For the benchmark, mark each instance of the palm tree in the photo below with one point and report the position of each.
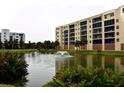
(83, 41)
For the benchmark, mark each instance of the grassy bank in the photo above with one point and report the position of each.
(6, 85)
(52, 51)
(110, 53)
(87, 52)
(17, 50)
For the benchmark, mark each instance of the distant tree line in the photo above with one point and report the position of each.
(42, 45)
(30, 45)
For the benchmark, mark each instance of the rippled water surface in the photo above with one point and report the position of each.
(42, 67)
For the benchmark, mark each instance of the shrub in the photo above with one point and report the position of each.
(12, 69)
(82, 77)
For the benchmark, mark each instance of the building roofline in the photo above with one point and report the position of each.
(90, 16)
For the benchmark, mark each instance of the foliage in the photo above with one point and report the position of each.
(77, 43)
(56, 44)
(13, 69)
(42, 45)
(84, 41)
(82, 77)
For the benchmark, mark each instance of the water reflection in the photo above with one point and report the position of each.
(92, 61)
(41, 69)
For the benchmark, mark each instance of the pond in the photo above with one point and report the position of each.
(42, 67)
(36, 69)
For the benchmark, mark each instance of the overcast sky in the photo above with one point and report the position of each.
(39, 18)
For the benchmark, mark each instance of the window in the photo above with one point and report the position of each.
(109, 22)
(117, 27)
(117, 20)
(105, 16)
(90, 41)
(89, 21)
(117, 39)
(90, 26)
(90, 36)
(90, 31)
(117, 33)
(123, 10)
(111, 14)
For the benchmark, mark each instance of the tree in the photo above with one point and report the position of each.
(56, 44)
(39, 45)
(21, 44)
(15, 43)
(6, 44)
(77, 43)
(47, 44)
(1, 44)
(84, 41)
(11, 44)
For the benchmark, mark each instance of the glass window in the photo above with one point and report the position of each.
(111, 14)
(117, 20)
(105, 16)
(117, 39)
(123, 10)
(117, 27)
(90, 41)
(117, 33)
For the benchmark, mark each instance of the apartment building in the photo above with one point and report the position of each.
(104, 31)
(7, 35)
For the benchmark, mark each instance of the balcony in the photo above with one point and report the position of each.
(97, 31)
(97, 19)
(109, 29)
(97, 25)
(109, 22)
(65, 43)
(72, 31)
(83, 23)
(97, 41)
(109, 41)
(71, 26)
(84, 28)
(83, 33)
(99, 36)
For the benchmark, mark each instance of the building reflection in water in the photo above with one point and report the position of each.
(92, 61)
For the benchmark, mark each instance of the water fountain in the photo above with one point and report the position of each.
(63, 54)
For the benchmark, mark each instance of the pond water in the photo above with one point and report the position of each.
(42, 67)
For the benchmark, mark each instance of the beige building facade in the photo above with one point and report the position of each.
(104, 31)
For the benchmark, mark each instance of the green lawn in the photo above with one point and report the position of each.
(17, 50)
(6, 85)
